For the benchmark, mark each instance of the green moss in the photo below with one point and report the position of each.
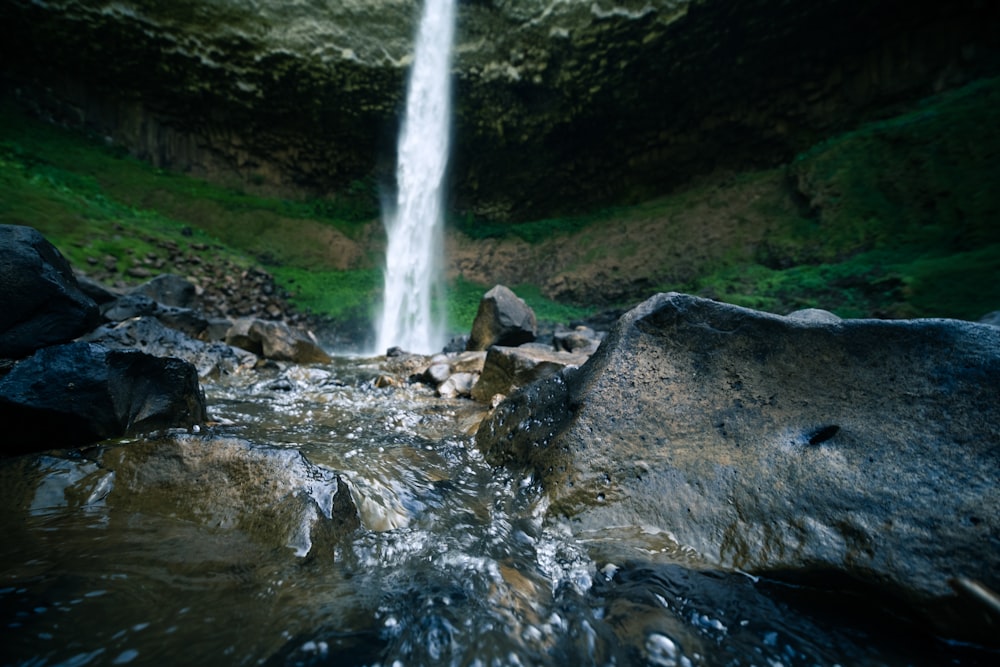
(337, 294)
(897, 218)
(251, 223)
(98, 205)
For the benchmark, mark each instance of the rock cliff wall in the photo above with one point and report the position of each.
(559, 103)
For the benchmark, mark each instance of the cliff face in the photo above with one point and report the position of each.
(559, 103)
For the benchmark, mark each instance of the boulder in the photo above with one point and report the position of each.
(170, 290)
(96, 290)
(866, 448)
(75, 394)
(468, 362)
(188, 321)
(42, 303)
(508, 368)
(275, 340)
(150, 335)
(502, 319)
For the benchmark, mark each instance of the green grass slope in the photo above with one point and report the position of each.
(898, 218)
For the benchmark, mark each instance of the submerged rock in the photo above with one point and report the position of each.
(212, 488)
(775, 444)
(42, 302)
(79, 393)
(273, 495)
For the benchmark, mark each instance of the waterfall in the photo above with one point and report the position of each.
(413, 282)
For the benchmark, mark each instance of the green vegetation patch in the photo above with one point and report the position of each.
(271, 229)
(336, 294)
(464, 297)
(76, 215)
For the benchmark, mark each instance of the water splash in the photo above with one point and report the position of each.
(413, 273)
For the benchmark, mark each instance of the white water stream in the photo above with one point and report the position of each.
(413, 283)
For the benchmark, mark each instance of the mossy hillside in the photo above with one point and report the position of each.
(255, 224)
(899, 218)
(903, 215)
(94, 202)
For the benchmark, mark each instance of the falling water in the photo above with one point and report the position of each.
(412, 273)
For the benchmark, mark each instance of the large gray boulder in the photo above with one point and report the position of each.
(79, 393)
(189, 321)
(774, 444)
(42, 303)
(503, 318)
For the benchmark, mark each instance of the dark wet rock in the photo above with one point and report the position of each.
(96, 290)
(250, 497)
(437, 372)
(772, 444)
(276, 340)
(273, 495)
(150, 335)
(509, 368)
(456, 344)
(128, 306)
(186, 320)
(42, 302)
(217, 329)
(170, 290)
(78, 393)
(503, 318)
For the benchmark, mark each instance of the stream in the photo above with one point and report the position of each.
(454, 563)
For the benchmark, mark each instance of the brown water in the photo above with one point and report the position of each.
(455, 563)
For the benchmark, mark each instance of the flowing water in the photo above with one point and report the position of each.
(454, 562)
(415, 247)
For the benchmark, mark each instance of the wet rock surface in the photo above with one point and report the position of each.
(152, 336)
(509, 368)
(275, 340)
(772, 444)
(273, 496)
(78, 393)
(503, 318)
(42, 303)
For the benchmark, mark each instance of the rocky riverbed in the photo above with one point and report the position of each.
(705, 485)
